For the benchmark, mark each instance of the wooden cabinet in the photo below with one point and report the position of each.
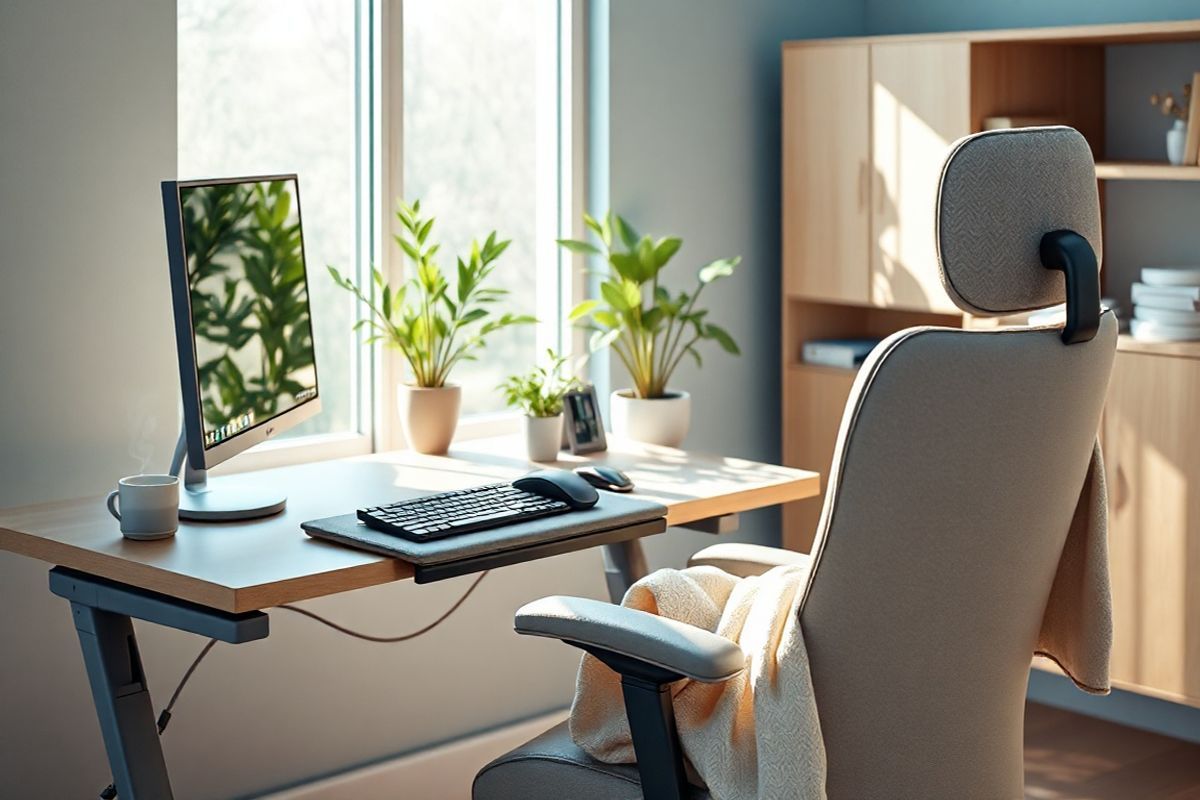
(920, 105)
(817, 397)
(825, 172)
(1151, 438)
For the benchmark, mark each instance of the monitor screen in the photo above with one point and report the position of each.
(248, 290)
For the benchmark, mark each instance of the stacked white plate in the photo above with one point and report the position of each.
(1166, 305)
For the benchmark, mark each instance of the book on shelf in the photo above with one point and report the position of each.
(1178, 298)
(1171, 276)
(1147, 331)
(844, 353)
(1167, 316)
(1017, 121)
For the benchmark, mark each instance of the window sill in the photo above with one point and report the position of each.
(300, 450)
(325, 447)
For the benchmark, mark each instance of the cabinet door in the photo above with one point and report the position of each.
(920, 105)
(1151, 439)
(825, 169)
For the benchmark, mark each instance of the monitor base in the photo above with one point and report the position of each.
(221, 501)
(202, 499)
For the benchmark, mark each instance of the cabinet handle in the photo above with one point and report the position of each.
(880, 193)
(1120, 489)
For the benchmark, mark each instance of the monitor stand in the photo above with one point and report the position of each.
(219, 499)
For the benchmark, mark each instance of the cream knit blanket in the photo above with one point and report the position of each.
(753, 736)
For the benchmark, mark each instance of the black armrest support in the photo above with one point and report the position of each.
(649, 653)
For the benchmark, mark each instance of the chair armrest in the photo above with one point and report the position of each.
(668, 644)
(744, 560)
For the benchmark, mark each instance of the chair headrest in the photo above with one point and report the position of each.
(1000, 192)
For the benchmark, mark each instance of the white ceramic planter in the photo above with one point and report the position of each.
(663, 420)
(428, 417)
(1176, 142)
(543, 437)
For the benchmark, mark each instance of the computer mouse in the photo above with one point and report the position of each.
(607, 478)
(558, 484)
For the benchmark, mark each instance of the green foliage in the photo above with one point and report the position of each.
(242, 237)
(539, 392)
(432, 324)
(649, 328)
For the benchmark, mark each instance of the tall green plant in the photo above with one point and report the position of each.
(434, 325)
(649, 328)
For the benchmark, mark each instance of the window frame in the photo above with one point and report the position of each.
(379, 155)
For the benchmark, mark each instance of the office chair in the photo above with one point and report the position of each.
(959, 463)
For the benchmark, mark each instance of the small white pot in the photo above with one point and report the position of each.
(1176, 142)
(428, 416)
(543, 436)
(662, 420)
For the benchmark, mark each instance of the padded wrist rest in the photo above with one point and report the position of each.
(614, 518)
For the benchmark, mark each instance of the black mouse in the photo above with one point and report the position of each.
(607, 478)
(558, 484)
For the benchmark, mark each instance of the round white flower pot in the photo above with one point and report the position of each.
(1176, 142)
(662, 420)
(428, 416)
(543, 436)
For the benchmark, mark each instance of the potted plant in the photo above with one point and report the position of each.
(647, 326)
(432, 324)
(539, 394)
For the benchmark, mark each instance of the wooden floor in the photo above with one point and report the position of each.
(1073, 757)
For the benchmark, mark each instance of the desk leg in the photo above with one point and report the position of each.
(624, 564)
(123, 706)
(102, 610)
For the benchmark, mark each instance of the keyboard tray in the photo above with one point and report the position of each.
(614, 518)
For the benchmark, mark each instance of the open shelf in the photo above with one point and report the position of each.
(1178, 349)
(1145, 171)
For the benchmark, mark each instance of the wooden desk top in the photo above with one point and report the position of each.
(245, 566)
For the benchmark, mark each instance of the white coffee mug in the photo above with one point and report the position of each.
(146, 505)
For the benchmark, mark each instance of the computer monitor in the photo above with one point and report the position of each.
(243, 328)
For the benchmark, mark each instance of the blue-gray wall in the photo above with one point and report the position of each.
(926, 16)
(685, 138)
(1146, 223)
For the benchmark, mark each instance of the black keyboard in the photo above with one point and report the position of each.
(462, 511)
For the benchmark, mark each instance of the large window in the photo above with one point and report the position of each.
(280, 86)
(269, 86)
(480, 120)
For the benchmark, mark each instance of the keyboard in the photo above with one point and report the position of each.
(437, 516)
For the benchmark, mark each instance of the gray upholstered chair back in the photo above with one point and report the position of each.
(959, 462)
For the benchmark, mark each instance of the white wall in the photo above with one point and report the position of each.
(87, 129)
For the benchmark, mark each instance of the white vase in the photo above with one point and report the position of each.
(428, 416)
(661, 420)
(543, 437)
(1176, 141)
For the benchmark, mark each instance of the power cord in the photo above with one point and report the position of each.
(164, 718)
